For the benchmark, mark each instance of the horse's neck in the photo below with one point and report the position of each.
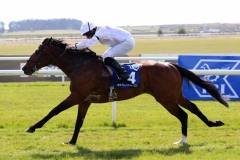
(69, 62)
(63, 63)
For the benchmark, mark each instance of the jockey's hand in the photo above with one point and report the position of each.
(70, 47)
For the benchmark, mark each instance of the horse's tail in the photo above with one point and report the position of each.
(208, 85)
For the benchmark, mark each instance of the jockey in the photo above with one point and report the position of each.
(120, 42)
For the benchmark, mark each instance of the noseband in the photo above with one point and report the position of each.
(32, 69)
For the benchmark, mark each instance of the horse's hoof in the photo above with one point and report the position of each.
(69, 143)
(179, 142)
(30, 130)
(219, 123)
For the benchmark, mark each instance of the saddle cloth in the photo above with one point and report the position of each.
(134, 76)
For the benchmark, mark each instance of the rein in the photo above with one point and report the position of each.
(54, 60)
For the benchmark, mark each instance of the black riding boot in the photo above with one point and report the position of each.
(122, 73)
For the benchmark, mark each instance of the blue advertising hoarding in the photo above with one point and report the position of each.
(228, 86)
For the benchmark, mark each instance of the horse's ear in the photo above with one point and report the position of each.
(49, 41)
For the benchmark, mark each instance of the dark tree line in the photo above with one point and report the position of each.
(38, 24)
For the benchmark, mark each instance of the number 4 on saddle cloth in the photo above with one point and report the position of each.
(134, 76)
(132, 82)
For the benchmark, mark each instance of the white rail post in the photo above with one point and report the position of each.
(63, 80)
(114, 112)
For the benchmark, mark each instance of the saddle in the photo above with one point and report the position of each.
(132, 82)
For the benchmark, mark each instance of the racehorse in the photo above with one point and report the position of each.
(90, 81)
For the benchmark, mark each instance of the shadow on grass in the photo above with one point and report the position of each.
(114, 154)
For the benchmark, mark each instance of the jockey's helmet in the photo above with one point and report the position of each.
(87, 27)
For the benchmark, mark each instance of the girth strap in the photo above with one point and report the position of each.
(112, 94)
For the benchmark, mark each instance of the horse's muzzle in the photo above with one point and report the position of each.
(29, 70)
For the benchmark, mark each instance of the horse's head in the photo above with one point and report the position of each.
(52, 51)
(42, 57)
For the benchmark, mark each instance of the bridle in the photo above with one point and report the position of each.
(37, 64)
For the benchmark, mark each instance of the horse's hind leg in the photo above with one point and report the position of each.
(194, 109)
(182, 116)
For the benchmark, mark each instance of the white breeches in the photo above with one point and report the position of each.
(121, 49)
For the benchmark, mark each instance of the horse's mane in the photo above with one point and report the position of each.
(61, 44)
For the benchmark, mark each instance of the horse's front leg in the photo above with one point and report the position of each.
(67, 103)
(82, 111)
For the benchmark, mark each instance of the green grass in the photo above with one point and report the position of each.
(152, 46)
(178, 46)
(144, 129)
(18, 49)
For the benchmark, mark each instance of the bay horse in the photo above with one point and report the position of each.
(89, 76)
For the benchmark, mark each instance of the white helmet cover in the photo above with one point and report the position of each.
(86, 27)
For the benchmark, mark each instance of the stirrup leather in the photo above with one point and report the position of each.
(112, 94)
